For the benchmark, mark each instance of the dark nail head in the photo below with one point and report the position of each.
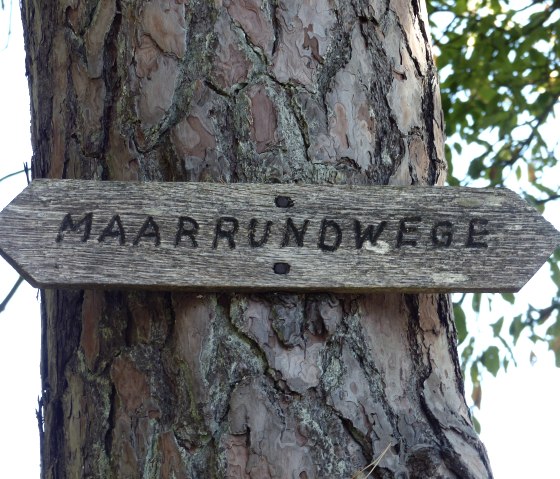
(283, 202)
(281, 268)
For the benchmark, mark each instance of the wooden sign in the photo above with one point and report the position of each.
(249, 237)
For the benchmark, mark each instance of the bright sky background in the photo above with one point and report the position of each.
(519, 415)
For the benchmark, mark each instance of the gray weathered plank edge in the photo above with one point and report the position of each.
(519, 239)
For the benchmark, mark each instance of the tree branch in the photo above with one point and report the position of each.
(10, 294)
(12, 174)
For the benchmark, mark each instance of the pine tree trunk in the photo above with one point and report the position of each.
(143, 384)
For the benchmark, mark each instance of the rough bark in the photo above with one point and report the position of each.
(230, 385)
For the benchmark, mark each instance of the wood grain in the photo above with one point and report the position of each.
(282, 237)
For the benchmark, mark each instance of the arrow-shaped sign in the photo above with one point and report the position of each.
(245, 237)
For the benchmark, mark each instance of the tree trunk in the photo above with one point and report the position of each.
(143, 384)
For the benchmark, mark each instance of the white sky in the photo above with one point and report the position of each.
(519, 415)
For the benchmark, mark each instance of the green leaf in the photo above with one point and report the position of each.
(466, 355)
(476, 302)
(554, 264)
(475, 168)
(476, 424)
(497, 326)
(554, 330)
(491, 360)
(509, 297)
(554, 345)
(515, 328)
(460, 323)
(475, 375)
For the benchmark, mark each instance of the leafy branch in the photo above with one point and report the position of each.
(500, 88)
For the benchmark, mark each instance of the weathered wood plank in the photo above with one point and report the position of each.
(244, 237)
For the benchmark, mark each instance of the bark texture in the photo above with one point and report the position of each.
(230, 385)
